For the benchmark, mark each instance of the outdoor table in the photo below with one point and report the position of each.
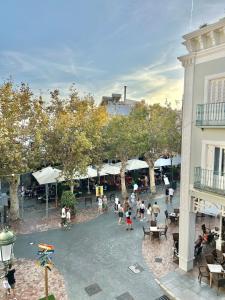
(156, 228)
(173, 217)
(216, 269)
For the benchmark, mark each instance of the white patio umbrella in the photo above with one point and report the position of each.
(109, 169)
(47, 175)
(135, 164)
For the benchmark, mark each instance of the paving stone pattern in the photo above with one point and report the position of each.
(30, 282)
(98, 251)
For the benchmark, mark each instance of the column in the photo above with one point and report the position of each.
(187, 217)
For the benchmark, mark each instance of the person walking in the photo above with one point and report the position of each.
(68, 216)
(167, 195)
(100, 204)
(105, 203)
(11, 280)
(129, 219)
(171, 193)
(142, 210)
(155, 210)
(126, 205)
(116, 204)
(138, 208)
(132, 199)
(63, 215)
(149, 212)
(120, 214)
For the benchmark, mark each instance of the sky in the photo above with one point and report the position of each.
(101, 45)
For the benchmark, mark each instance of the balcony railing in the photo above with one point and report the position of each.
(210, 181)
(210, 114)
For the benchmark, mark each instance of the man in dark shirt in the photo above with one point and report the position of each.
(11, 279)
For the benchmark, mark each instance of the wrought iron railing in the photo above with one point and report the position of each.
(210, 181)
(210, 114)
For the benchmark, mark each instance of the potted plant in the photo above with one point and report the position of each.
(69, 200)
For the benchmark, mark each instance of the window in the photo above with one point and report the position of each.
(216, 90)
(219, 161)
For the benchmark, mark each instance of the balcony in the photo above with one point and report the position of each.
(209, 181)
(210, 114)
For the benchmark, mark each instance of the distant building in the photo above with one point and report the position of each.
(115, 105)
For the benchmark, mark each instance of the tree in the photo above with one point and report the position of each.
(74, 133)
(161, 133)
(22, 121)
(122, 137)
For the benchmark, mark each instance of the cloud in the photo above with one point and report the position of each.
(154, 83)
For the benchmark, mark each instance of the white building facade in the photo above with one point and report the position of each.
(203, 133)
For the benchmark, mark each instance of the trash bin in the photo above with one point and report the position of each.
(174, 185)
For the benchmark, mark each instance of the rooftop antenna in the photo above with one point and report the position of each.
(125, 93)
(191, 16)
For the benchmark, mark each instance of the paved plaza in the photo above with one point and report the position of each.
(94, 257)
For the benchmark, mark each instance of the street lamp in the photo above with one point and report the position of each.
(7, 240)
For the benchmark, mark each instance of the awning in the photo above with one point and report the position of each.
(47, 175)
(135, 164)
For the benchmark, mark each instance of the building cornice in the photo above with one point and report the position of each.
(205, 38)
(187, 60)
(206, 29)
(203, 56)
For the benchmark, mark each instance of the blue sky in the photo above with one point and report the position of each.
(100, 45)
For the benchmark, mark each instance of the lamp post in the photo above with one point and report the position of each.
(7, 240)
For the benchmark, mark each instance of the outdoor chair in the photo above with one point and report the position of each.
(209, 259)
(156, 235)
(164, 232)
(176, 211)
(203, 271)
(146, 231)
(198, 254)
(175, 237)
(220, 282)
(153, 223)
(218, 256)
(175, 251)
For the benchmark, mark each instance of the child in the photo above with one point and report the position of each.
(128, 219)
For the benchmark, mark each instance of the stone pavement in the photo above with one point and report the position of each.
(94, 257)
(183, 286)
(30, 282)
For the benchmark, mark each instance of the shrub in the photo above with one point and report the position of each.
(69, 200)
(50, 297)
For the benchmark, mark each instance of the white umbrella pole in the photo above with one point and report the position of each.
(46, 194)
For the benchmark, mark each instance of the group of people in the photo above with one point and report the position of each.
(65, 216)
(102, 204)
(169, 194)
(128, 208)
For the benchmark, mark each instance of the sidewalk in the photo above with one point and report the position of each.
(184, 286)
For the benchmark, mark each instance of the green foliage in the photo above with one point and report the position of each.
(50, 297)
(68, 199)
(74, 134)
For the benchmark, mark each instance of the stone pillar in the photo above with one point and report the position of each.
(187, 217)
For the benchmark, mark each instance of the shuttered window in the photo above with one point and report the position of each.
(216, 90)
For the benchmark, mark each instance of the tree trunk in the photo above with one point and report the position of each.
(71, 186)
(123, 181)
(14, 201)
(151, 176)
